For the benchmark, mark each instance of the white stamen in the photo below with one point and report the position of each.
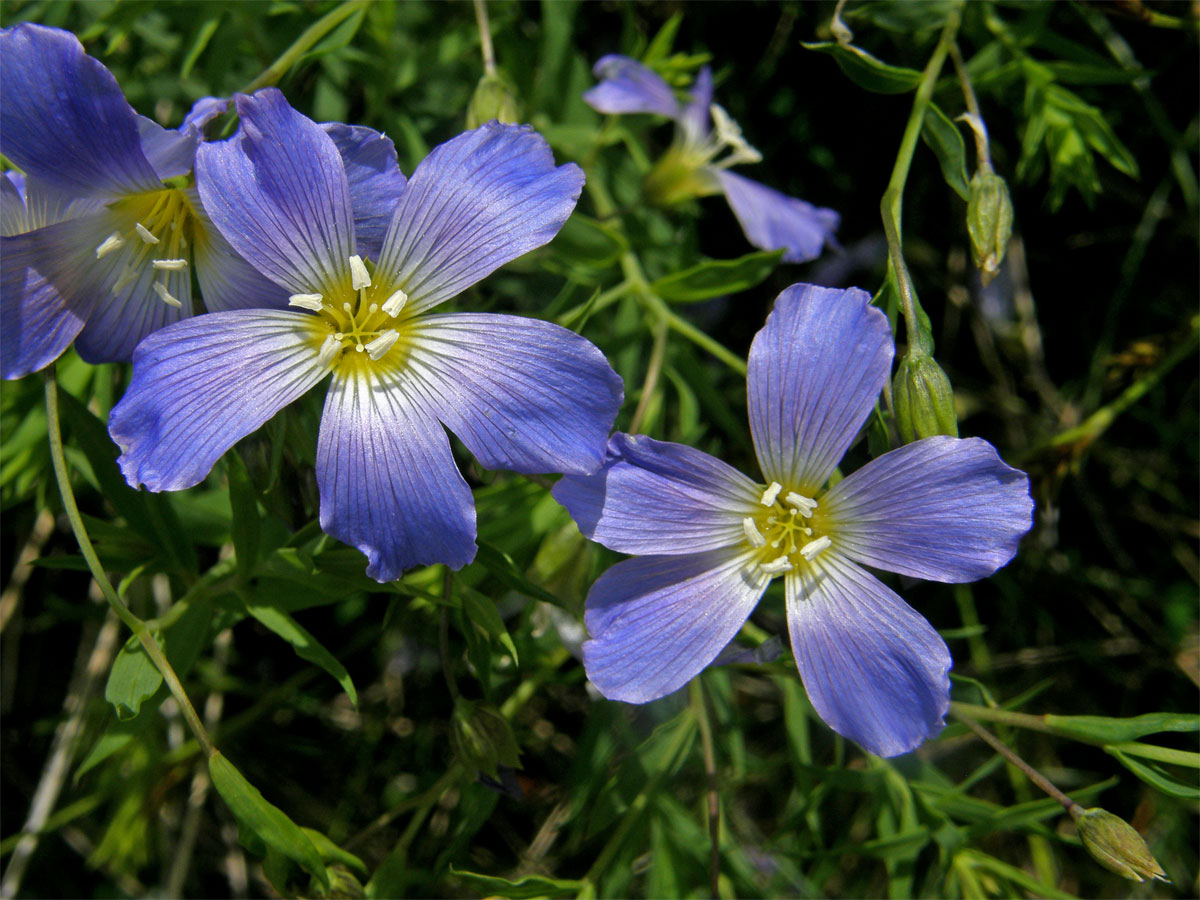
(359, 277)
(382, 344)
(164, 295)
(812, 548)
(346, 307)
(113, 242)
(144, 233)
(338, 335)
(393, 304)
(359, 347)
(771, 493)
(776, 566)
(729, 134)
(329, 349)
(171, 265)
(753, 535)
(804, 505)
(373, 308)
(127, 278)
(306, 301)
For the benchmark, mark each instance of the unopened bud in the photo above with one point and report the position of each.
(989, 221)
(482, 737)
(494, 98)
(1117, 846)
(923, 399)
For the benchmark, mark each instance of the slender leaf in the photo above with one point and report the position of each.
(132, 681)
(715, 277)
(1158, 777)
(944, 138)
(1115, 731)
(306, 646)
(528, 887)
(868, 72)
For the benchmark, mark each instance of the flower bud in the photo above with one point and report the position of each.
(482, 737)
(1117, 846)
(989, 221)
(923, 399)
(494, 98)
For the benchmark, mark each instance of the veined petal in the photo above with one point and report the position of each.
(627, 86)
(943, 508)
(522, 394)
(170, 152)
(774, 221)
(657, 621)
(278, 192)
(694, 117)
(39, 322)
(204, 383)
(815, 370)
(874, 669)
(226, 280)
(376, 181)
(389, 485)
(476, 202)
(656, 497)
(204, 111)
(63, 117)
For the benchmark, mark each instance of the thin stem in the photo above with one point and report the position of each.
(892, 203)
(974, 117)
(317, 30)
(485, 38)
(444, 633)
(136, 625)
(1030, 772)
(700, 708)
(650, 383)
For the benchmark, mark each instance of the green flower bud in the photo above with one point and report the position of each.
(1117, 846)
(923, 399)
(989, 221)
(482, 737)
(494, 98)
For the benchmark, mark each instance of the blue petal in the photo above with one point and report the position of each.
(694, 117)
(376, 181)
(476, 202)
(874, 669)
(389, 485)
(171, 153)
(657, 621)
(522, 394)
(63, 117)
(278, 193)
(629, 87)
(39, 323)
(226, 280)
(774, 221)
(654, 497)
(203, 384)
(204, 111)
(815, 370)
(943, 508)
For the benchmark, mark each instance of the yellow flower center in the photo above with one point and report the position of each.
(157, 229)
(787, 532)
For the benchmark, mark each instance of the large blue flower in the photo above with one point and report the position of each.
(101, 233)
(521, 394)
(709, 539)
(691, 168)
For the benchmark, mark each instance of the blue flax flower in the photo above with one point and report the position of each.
(691, 168)
(709, 539)
(521, 394)
(102, 231)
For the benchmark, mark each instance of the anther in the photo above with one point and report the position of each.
(359, 347)
(753, 535)
(359, 277)
(776, 566)
(329, 349)
(306, 301)
(338, 335)
(164, 295)
(170, 265)
(346, 307)
(144, 233)
(771, 493)
(805, 505)
(382, 344)
(393, 304)
(812, 548)
(113, 242)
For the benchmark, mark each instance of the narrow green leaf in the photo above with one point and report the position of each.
(306, 646)
(246, 524)
(332, 853)
(868, 72)
(660, 46)
(501, 566)
(1158, 777)
(207, 30)
(116, 735)
(132, 681)
(266, 821)
(1117, 731)
(943, 137)
(522, 889)
(715, 277)
(482, 611)
(589, 242)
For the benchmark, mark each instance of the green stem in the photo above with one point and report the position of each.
(485, 38)
(892, 203)
(136, 625)
(303, 44)
(1162, 754)
(700, 709)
